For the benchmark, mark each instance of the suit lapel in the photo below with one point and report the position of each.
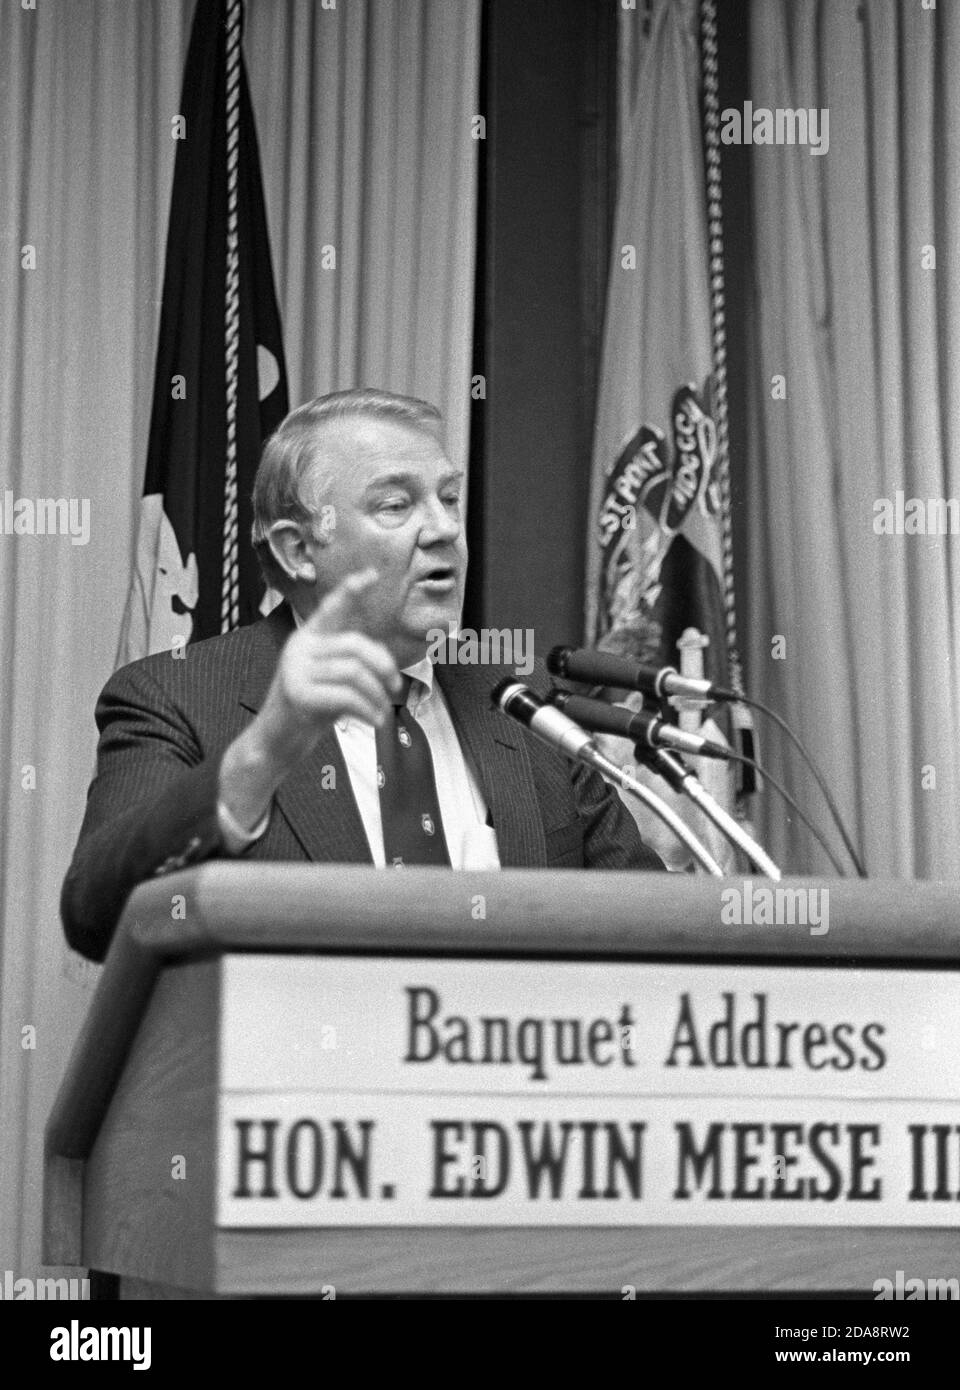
(501, 763)
(325, 821)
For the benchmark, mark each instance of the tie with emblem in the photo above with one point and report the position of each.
(409, 810)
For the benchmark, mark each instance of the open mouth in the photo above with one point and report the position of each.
(440, 578)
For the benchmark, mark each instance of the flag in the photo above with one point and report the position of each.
(220, 384)
(658, 587)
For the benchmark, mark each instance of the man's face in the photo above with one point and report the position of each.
(396, 502)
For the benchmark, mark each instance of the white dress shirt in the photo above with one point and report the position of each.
(471, 842)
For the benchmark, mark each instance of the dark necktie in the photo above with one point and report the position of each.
(409, 810)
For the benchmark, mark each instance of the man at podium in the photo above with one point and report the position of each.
(324, 731)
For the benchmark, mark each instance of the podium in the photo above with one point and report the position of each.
(313, 1081)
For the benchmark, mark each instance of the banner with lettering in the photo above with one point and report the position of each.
(658, 584)
(426, 1092)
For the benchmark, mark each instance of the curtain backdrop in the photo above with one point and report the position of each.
(363, 115)
(866, 336)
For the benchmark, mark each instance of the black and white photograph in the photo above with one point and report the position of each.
(518, 438)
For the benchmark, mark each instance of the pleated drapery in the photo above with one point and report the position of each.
(364, 114)
(854, 370)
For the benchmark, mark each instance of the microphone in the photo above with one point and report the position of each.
(674, 771)
(620, 672)
(638, 727)
(559, 730)
(554, 727)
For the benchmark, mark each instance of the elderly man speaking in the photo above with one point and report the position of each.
(324, 731)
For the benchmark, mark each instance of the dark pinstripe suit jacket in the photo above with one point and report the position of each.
(164, 726)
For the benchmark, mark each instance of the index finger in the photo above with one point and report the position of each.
(342, 609)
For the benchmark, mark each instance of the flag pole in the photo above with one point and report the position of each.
(230, 596)
(741, 718)
(718, 320)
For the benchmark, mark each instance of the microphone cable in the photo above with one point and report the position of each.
(778, 787)
(596, 692)
(818, 777)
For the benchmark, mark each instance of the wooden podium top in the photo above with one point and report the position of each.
(292, 907)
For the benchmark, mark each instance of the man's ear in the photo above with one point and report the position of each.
(288, 542)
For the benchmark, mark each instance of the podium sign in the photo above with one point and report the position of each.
(384, 1092)
(328, 1077)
